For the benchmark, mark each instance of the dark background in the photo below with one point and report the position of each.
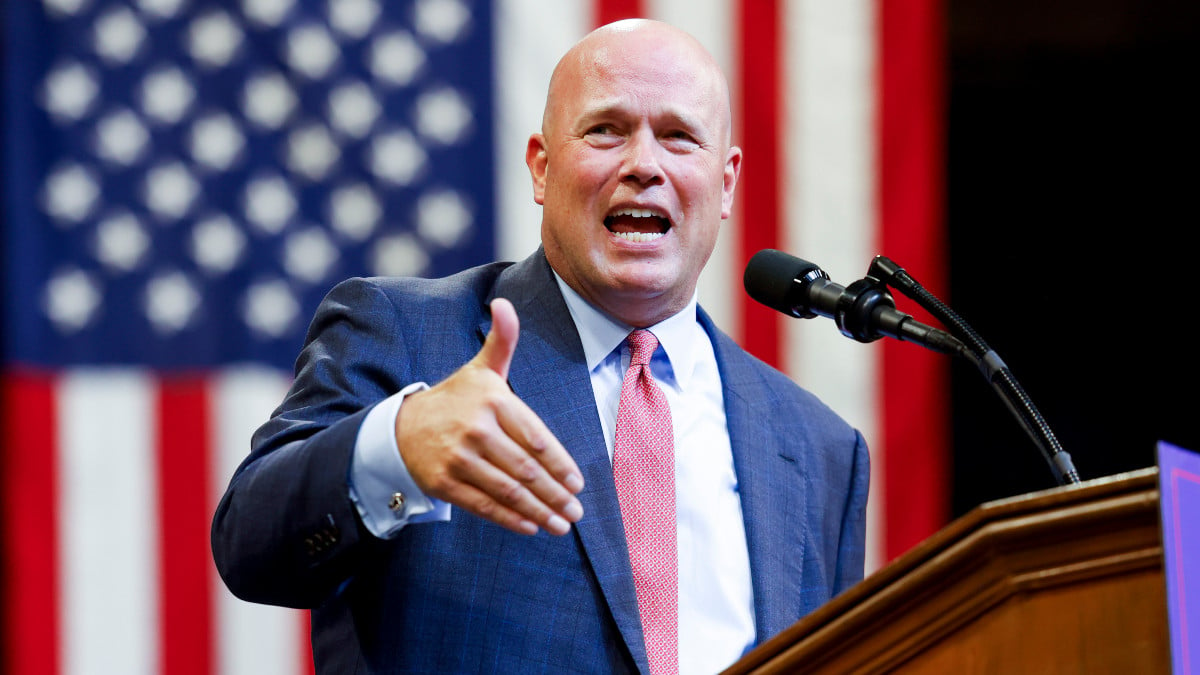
(1072, 190)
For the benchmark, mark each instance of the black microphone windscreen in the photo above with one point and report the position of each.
(770, 278)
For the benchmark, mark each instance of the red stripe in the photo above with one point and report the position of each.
(307, 667)
(759, 72)
(607, 11)
(185, 607)
(911, 122)
(30, 484)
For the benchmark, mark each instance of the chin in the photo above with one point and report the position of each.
(644, 287)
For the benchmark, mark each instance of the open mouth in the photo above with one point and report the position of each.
(637, 225)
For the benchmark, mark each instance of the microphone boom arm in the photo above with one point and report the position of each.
(865, 311)
(989, 363)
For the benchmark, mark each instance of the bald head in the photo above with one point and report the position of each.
(654, 45)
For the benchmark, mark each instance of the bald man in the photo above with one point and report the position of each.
(557, 465)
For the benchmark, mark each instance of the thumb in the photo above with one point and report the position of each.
(501, 342)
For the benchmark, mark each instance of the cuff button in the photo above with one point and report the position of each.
(396, 503)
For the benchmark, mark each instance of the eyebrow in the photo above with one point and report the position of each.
(616, 108)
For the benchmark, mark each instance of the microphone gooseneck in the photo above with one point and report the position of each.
(993, 368)
(865, 311)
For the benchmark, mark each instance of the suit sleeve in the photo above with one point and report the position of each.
(852, 546)
(286, 531)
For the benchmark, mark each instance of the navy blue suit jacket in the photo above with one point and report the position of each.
(470, 596)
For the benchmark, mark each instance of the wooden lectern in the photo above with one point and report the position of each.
(1069, 580)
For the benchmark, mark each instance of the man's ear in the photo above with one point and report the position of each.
(535, 159)
(733, 169)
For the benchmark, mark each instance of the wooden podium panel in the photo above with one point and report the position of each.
(1068, 580)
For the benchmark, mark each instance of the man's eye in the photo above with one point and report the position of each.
(603, 136)
(681, 139)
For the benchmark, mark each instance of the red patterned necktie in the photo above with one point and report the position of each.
(644, 471)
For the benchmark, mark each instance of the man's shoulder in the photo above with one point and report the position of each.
(741, 364)
(475, 281)
(762, 382)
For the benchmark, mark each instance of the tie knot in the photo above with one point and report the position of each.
(642, 344)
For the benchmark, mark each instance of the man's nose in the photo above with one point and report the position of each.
(642, 159)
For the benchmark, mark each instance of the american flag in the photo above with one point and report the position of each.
(184, 179)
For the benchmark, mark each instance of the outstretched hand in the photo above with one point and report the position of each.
(471, 442)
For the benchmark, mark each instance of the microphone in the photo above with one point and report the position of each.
(864, 311)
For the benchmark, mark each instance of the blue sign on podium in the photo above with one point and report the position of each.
(1179, 491)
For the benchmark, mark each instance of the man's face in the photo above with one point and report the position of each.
(634, 172)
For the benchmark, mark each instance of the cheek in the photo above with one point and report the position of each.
(588, 176)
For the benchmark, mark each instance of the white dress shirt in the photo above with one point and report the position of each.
(716, 608)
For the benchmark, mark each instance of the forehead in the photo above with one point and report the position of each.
(642, 75)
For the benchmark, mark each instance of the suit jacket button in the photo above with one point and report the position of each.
(396, 503)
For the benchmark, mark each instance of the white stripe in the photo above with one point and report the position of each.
(712, 23)
(251, 639)
(530, 36)
(108, 522)
(831, 210)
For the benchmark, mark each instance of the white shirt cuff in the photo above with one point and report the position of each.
(381, 487)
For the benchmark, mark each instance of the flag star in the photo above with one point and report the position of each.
(217, 244)
(443, 115)
(311, 152)
(442, 20)
(443, 217)
(170, 190)
(162, 9)
(119, 35)
(71, 300)
(69, 91)
(213, 39)
(121, 242)
(311, 51)
(70, 194)
(269, 204)
(309, 255)
(171, 302)
(354, 211)
(396, 58)
(121, 138)
(353, 109)
(353, 18)
(267, 13)
(268, 100)
(400, 256)
(270, 308)
(397, 157)
(216, 141)
(167, 95)
(64, 7)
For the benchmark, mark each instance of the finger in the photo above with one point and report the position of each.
(489, 492)
(529, 432)
(501, 341)
(525, 469)
(482, 504)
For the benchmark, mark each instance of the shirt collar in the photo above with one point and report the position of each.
(601, 334)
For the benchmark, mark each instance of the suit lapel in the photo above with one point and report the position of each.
(769, 472)
(550, 374)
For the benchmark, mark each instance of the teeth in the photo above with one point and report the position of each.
(637, 213)
(639, 237)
